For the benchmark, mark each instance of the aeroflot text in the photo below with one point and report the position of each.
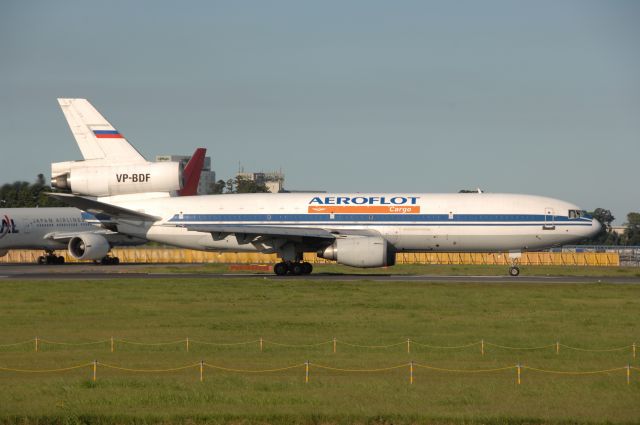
(365, 200)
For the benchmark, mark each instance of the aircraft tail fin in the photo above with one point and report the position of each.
(96, 137)
(192, 172)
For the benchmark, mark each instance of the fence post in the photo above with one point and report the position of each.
(408, 345)
(261, 344)
(519, 368)
(187, 344)
(112, 344)
(628, 374)
(411, 372)
(634, 350)
(482, 347)
(557, 347)
(36, 344)
(334, 345)
(201, 370)
(306, 372)
(95, 370)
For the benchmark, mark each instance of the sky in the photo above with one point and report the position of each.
(537, 97)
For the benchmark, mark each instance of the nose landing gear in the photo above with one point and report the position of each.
(514, 260)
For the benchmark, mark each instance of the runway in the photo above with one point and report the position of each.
(145, 271)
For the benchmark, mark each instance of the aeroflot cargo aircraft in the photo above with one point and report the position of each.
(355, 229)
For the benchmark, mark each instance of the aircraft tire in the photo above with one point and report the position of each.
(514, 271)
(42, 260)
(115, 261)
(60, 260)
(297, 269)
(307, 268)
(280, 269)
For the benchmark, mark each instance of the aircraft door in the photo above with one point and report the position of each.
(549, 219)
(26, 225)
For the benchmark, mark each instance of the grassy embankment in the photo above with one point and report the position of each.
(299, 312)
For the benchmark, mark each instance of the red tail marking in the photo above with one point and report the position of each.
(192, 173)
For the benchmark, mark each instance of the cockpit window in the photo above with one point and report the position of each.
(577, 214)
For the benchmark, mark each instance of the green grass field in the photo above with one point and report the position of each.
(420, 269)
(300, 312)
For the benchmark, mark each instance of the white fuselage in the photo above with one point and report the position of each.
(40, 228)
(409, 222)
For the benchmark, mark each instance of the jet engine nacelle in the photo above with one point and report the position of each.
(360, 251)
(88, 246)
(84, 178)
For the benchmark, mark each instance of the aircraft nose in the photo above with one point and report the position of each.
(595, 227)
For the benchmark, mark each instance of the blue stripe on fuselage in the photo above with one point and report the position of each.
(437, 219)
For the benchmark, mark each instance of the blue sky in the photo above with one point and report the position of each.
(539, 97)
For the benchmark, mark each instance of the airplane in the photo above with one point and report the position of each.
(354, 229)
(50, 229)
(85, 236)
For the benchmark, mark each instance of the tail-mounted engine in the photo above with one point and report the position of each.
(90, 179)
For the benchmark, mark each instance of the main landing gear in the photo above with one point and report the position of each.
(108, 261)
(295, 268)
(514, 271)
(50, 258)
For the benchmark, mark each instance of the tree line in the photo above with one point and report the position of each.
(237, 185)
(21, 194)
(607, 236)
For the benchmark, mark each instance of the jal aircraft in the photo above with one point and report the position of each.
(87, 236)
(50, 229)
(355, 229)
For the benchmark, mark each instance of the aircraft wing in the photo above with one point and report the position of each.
(97, 207)
(96, 137)
(220, 230)
(261, 233)
(65, 236)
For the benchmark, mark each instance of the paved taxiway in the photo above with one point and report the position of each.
(93, 272)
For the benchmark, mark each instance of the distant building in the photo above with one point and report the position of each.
(274, 181)
(619, 230)
(207, 176)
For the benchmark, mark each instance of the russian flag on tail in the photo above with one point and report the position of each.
(107, 134)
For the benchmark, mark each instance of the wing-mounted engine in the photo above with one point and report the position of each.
(88, 246)
(91, 178)
(360, 251)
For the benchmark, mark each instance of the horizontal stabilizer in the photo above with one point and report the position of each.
(97, 207)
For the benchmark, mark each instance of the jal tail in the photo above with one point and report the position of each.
(192, 172)
(96, 137)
